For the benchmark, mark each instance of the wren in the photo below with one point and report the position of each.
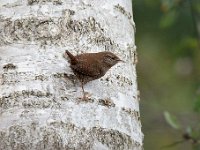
(91, 66)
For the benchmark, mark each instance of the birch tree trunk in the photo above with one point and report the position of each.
(39, 94)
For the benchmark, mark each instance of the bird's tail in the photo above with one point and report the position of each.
(73, 60)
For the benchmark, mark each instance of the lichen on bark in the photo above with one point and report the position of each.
(53, 31)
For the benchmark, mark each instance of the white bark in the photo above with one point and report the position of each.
(39, 107)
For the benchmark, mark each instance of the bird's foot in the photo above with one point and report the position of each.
(85, 97)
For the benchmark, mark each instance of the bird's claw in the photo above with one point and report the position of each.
(85, 97)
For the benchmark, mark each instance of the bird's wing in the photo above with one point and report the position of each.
(88, 69)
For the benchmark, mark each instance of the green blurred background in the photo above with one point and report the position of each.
(168, 46)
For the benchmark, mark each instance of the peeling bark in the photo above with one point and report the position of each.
(39, 95)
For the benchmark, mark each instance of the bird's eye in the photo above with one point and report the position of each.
(110, 57)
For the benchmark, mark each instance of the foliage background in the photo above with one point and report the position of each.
(168, 45)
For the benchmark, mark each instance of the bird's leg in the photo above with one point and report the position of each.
(84, 97)
(85, 94)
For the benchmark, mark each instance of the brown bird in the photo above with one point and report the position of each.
(91, 66)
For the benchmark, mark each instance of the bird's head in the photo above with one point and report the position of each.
(110, 59)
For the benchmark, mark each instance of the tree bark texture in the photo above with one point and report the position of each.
(39, 94)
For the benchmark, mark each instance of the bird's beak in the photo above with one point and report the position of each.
(121, 60)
